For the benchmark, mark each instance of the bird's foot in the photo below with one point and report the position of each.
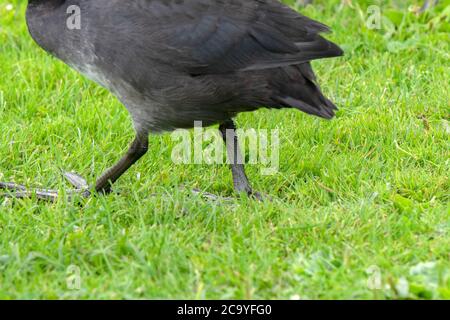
(212, 197)
(259, 196)
(18, 191)
(209, 196)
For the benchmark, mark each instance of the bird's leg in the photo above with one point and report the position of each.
(240, 180)
(137, 149)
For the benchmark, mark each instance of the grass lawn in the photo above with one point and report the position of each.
(360, 204)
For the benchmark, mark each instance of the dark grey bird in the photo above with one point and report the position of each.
(174, 62)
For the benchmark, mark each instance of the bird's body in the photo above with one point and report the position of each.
(176, 62)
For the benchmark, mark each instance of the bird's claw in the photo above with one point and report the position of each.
(261, 197)
(210, 196)
(76, 180)
(18, 191)
(256, 195)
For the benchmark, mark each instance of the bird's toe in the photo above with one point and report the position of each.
(259, 196)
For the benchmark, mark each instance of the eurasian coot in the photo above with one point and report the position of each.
(174, 62)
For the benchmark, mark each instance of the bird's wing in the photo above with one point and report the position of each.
(220, 36)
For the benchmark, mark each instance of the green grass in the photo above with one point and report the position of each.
(368, 190)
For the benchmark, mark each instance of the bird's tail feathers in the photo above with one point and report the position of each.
(305, 94)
